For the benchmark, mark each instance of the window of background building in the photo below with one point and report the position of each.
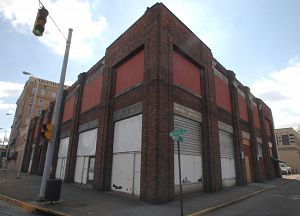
(29, 109)
(40, 102)
(38, 112)
(27, 122)
(33, 90)
(31, 100)
(43, 91)
(53, 94)
(285, 139)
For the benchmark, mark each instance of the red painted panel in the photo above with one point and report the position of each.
(243, 108)
(130, 73)
(256, 117)
(222, 94)
(92, 93)
(186, 74)
(267, 124)
(68, 109)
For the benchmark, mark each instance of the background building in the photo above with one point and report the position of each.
(46, 92)
(156, 77)
(288, 141)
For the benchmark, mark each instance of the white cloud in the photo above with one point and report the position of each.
(69, 83)
(4, 105)
(9, 89)
(74, 14)
(280, 91)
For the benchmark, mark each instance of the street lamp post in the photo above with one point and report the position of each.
(27, 131)
(5, 131)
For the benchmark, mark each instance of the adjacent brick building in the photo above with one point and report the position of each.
(46, 93)
(288, 143)
(157, 76)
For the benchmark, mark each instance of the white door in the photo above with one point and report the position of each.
(87, 142)
(62, 158)
(126, 155)
(227, 159)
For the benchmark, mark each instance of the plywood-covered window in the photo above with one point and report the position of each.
(69, 108)
(91, 93)
(256, 117)
(243, 108)
(222, 93)
(186, 74)
(130, 73)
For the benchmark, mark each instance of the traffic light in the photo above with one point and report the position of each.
(40, 21)
(47, 131)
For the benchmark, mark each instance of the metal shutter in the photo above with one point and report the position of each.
(191, 139)
(226, 144)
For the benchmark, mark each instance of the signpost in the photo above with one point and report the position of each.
(176, 135)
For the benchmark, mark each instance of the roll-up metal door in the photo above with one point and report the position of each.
(227, 159)
(191, 139)
(191, 155)
(226, 144)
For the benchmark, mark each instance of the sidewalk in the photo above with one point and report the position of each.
(84, 201)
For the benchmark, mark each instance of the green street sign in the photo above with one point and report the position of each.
(177, 134)
(178, 131)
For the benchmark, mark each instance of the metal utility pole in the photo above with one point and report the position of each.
(55, 120)
(180, 185)
(28, 126)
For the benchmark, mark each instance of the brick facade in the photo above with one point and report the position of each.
(158, 35)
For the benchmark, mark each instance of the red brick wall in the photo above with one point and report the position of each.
(243, 108)
(92, 93)
(68, 109)
(186, 74)
(130, 73)
(222, 94)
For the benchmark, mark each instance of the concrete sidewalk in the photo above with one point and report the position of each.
(84, 201)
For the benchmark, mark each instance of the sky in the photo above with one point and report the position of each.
(258, 40)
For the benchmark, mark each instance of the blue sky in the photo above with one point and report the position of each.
(258, 40)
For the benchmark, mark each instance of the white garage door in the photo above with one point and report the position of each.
(62, 158)
(127, 155)
(85, 160)
(227, 159)
(190, 152)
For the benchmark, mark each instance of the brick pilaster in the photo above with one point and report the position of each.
(237, 133)
(253, 141)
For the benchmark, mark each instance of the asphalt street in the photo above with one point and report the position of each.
(284, 200)
(11, 210)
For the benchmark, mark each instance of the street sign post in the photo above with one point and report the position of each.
(176, 135)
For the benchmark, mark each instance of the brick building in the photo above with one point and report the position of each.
(288, 143)
(157, 76)
(46, 93)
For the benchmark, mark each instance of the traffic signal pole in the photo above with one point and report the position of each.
(55, 120)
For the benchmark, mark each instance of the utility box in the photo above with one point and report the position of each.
(53, 189)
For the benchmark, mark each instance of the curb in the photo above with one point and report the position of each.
(31, 208)
(221, 205)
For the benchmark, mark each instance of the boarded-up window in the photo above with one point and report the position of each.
(69, 108)
(222, 94)
(256, 117)
(91, 93)
(186, 74)
(130, 73)
(243, 108)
